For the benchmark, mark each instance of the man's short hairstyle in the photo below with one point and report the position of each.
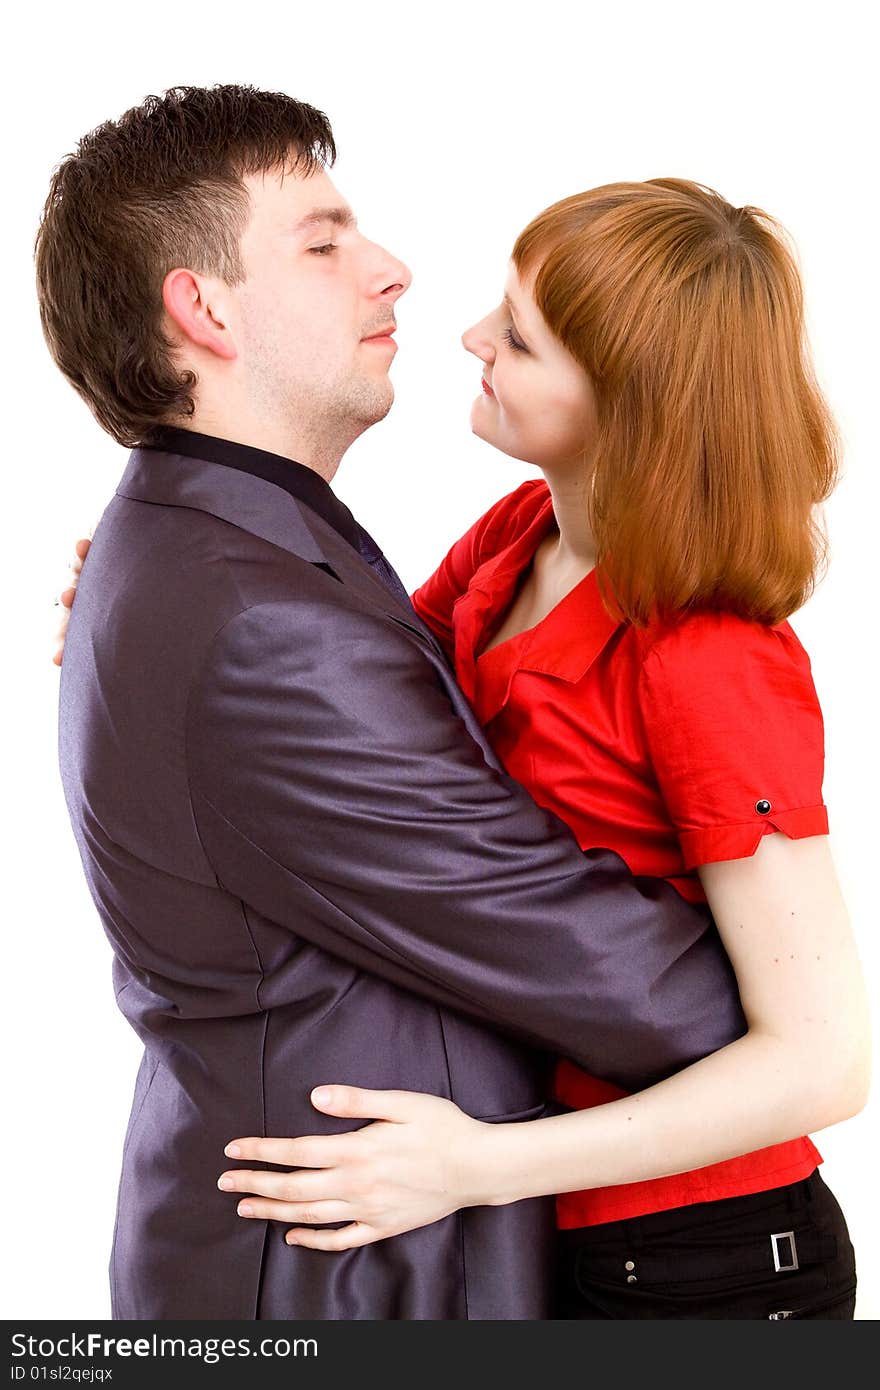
(160, 187)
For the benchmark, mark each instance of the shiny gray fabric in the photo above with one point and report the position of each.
(311, 869)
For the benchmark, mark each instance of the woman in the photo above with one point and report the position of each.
(621, 630)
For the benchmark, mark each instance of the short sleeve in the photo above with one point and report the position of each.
(436, 598)
(735, 734)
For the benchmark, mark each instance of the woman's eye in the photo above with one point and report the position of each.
(323, 250)
(514, 342)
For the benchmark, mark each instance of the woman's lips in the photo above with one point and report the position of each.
(487, 388)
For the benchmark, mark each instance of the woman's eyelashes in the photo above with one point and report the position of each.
(511, 338)
(323, 250)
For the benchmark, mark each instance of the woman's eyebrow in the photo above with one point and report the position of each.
(509, 303)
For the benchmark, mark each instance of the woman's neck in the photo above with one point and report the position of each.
(575, 548)
(561, 561)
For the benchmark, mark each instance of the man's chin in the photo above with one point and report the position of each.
(377, 405)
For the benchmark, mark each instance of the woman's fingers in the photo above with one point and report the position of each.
(300, 1186)
(74, 569)
(309, 1213)
(308, 1151)
(63, 611)
(67, 596)
(356, 1102)
(346, 1238)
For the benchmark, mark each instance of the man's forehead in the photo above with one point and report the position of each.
(300, 200)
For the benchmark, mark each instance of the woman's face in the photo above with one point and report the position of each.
(536, 402)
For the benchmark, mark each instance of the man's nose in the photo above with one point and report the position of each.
(392, 276)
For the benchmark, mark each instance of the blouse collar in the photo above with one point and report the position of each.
(563, 645)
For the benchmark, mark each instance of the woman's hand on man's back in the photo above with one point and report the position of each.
(67, 595)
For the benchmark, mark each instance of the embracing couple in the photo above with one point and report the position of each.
(430, 911)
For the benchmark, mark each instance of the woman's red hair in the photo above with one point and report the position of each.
(714, 442)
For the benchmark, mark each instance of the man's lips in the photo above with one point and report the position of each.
(383, 333)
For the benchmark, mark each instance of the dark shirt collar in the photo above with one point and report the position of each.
(303, 483)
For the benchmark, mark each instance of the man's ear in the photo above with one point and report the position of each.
(193, 303)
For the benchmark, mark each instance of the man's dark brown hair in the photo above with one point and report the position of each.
(159, 188)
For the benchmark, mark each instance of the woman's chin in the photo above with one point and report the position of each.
(482, 428)
(494, 444)
(477, 424)
(482, 421)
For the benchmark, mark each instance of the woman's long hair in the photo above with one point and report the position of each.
(714, 441)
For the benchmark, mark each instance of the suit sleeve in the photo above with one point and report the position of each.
(337, 792)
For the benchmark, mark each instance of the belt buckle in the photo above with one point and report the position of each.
(774, 1246)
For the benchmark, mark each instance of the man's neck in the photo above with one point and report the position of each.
(323, 459)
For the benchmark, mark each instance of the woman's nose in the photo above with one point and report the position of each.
(477, 341)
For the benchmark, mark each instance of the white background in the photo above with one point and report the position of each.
(455, 125)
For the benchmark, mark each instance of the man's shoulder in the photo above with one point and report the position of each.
(158, 587)
(146, 555)
(172, 600)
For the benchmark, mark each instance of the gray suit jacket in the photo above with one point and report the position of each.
(311, 869)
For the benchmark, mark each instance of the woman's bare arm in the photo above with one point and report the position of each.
(803, 1065)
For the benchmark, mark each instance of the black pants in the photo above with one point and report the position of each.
(715, 1260)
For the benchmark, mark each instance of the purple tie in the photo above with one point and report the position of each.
(376, 560)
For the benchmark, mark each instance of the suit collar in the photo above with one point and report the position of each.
(263, 509)
(251, 503)
(304, 484)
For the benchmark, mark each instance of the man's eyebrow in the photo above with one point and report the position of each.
(340, 217)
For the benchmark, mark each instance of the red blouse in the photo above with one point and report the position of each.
(674, 745)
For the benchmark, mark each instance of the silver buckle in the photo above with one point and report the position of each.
(777, 1265)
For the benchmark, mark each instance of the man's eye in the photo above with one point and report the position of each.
(323, 250)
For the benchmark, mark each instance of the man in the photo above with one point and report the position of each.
(306, 858)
